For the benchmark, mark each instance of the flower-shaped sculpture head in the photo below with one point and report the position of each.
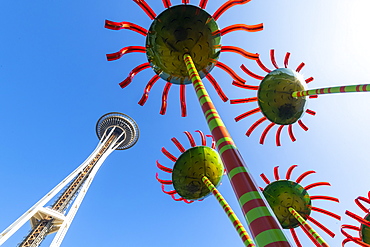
(283, 194)
(275, 99)
(179, 30)
(274, 96)
(288, 199)
(189, 169)
(364, 229)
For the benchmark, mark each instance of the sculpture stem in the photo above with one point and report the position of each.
(264, 227)
(230, 213)
(309, 228)
(330, 90)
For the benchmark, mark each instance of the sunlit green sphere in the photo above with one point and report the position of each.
(189, 169)
(178, 30)
(283, 194)
(275, 96)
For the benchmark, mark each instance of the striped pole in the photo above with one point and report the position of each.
(309, 228)
(330, 90)
(264, 227)
(230, 213)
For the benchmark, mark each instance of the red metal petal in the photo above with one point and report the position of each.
(125, 25)
(168, 154)
(313, 185)
(183, 100)
(246, 100)
(313, 113)
(308, 80)
(147, 90)
(358, 218)
(162, 181)
(360, 198)
(278, 133)
(323, 211)
(298, 69)
(226, 6)
(202, 137)
(329, 198)
(254, 126)
(305, 174)
(321, 226)
(295, 237)
(267, 129)
(250, 73)
(262, 66)
(272, 57)
(203, 4)
(242, 85)
(171, 192)
(132, 74)
(125, 50)
(246, 114)
(178, 144)
(230, 71)
(217, 87)
(289, 171)
(263, 176)
(213, 141)
(291, 134)
(163, 168)
(147, 9)
(276, 173)
(191, 139)
(241, 27)
(286, 59)
(167, 3)
(303, 126)
(164, 98)
(240, 51)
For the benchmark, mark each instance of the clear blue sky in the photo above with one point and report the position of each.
(55, 83)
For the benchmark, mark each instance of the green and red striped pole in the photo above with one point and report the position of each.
(330, 90)
(264, 227)
(309, 228)
(230, 213)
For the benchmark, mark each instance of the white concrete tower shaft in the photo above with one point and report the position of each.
(115, 131)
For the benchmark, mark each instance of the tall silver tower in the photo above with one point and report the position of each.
(115, 131)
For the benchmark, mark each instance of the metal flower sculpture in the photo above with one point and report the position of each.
(196, 174)
(179, 29)
(281, 97)
(182, 46)
(364, 229)
(274, 98)
(291, 204)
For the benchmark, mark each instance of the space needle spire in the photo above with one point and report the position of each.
(116, 131)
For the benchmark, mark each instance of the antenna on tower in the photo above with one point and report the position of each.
(115, 131)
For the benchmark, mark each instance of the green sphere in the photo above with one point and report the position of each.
(189, 169)
(365, 231)
(179, 30)
(275, 96)
(283, 194)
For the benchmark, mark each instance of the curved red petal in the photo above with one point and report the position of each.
(164, 98)
(305, 174)
(226, 6)
(240, 51)
(132, 74)
(255, 125)
(125, 25)
(147, 89)
(289, 171)
(191, 139)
